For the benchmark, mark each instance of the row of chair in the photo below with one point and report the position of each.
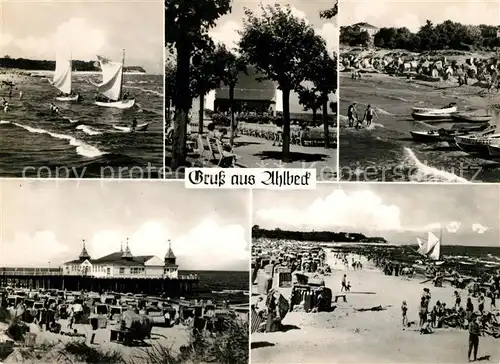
(211, 150)
(313, 137)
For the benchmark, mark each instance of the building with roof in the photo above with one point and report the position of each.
(123, 264)
(365, 27)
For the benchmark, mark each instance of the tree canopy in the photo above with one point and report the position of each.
(446, 35)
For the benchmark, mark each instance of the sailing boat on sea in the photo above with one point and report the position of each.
(111, 87)
(431, 249)
(62, 80)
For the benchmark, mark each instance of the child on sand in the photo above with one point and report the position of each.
(480, 302)
(426, 327)
(404, 310)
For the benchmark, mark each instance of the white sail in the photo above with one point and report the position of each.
(433, 247)
(422, 246)
(62, 75)
(112, 73)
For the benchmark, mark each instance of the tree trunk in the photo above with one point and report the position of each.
(182, 104)
(314, 115)
(201, 114)
(285, 156)
(231, 104)
(168, 111)
(325, 124)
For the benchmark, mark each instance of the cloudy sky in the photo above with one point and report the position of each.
(398, 212)
(413, 14)
(40, 30)
(228, 25)
(46, 221)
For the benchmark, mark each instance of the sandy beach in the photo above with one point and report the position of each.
(348, 336)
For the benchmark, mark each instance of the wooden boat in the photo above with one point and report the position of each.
(431, 116)
(448, 135)
(62, 80)
(448, 109)
(477, 145)
(494, 151)
(470, 118)
(111, 87)
(128, 129)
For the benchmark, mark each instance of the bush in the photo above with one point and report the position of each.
(81, 351)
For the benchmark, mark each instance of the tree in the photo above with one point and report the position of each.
(280, 46)
(310, 100)
(331, 13)
(169, 86)
(231, 66)
(353, 36)
(323, 74)
(186, 27)
(428, 37)
(205, 76)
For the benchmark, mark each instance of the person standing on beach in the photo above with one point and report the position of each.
(480, 302)
(370, 114)
(423, 312)
(404, 310)
(351, 113)
(474, 333)
(344, 283)
(458, 300)
(491, 295)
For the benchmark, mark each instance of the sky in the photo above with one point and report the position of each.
(468, 215)
(40, 30)
(228, 25)
(413, 14)
(46, 221)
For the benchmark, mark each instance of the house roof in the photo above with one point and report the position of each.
(364, 25)
(116, 259)
(170, 254)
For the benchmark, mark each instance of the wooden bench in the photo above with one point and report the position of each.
(343, 296)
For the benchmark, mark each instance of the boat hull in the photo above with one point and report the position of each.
(470, 118)
(122, 104)
(128, 129)
(445, 110)
(480, 147)
(425, 137)
(428, 116)
(67, 98)
(494, 151)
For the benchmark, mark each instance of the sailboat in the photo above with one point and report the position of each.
(430, 249)
(111, 86)
(62, 80)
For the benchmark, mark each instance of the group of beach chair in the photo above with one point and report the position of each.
(313, 137)
(211, 150)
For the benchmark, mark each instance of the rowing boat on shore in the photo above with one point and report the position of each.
(448, 109)
(448, 135)
(477, 145)
(470, 118)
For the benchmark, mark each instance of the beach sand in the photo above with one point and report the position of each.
(172, 338)
(348, 336)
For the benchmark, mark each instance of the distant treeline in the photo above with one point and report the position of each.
(446, 35)
(40, 65)
(319, 236)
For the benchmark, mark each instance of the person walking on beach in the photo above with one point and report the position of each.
(474, 333)
(404, 310)
(369, 115)
(351, 113)
(344, 283)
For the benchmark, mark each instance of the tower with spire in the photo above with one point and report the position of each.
(84, 255)
(170, 257)
(127, 254)
(171, 268)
